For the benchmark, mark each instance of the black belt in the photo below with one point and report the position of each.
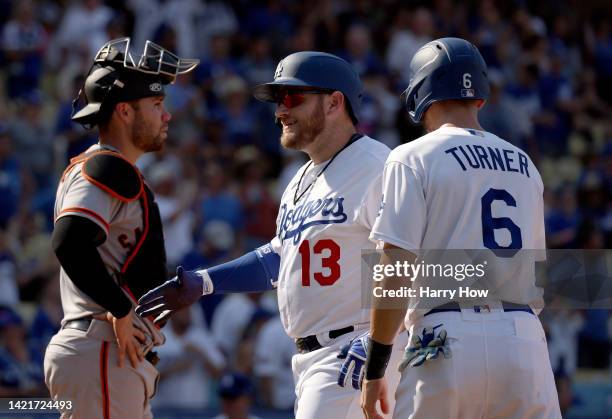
(311, 343)
(83, 325)
(454, 306)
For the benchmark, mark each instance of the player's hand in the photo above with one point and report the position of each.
(425, 347)
(354, 355)
(128, 337)
(374, 391)
(181, 291)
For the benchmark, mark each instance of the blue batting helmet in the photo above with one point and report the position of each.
(447, 68)
(315, 69)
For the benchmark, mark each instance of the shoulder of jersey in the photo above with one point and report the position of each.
(369, 149)
(114, 175)
(421, 145)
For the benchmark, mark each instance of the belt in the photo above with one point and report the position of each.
(311, 343)
(83, 325)
(454, 306)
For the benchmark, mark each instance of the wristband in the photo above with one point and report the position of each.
(378, 358)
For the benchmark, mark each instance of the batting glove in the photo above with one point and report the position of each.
(425, 347)
(354, 355)
(181, 291)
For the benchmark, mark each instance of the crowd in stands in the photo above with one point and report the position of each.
(219, 179)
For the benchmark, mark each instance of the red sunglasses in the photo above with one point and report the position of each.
(294, 98)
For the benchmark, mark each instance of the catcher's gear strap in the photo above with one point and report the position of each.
(113, 174)
(75, 240)
(254, 272)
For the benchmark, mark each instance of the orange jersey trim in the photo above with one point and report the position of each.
(88, 212)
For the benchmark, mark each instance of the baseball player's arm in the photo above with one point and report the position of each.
(256, 271)
(384, 325)
(75, 240)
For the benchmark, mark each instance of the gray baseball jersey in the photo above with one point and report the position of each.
(120, 221)
(81, 362)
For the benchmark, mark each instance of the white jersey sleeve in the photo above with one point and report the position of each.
(403, 203)
(368, 209)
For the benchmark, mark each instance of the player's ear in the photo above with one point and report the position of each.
(124, 111)
(335, 102)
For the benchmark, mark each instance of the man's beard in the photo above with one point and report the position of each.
(307, 130)
(144, 139)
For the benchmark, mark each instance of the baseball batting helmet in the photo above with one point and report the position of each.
(115, 77)
(447, 68)
(318, 70)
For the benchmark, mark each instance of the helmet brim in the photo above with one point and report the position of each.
(267, 92)
(89, 110)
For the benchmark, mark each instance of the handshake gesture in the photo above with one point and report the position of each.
(181, 291)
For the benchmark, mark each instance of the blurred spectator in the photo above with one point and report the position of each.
(496, 116)
(379, 108)
(594, 340)
(563, 327)
(48, 316)
(23, 42)
(257, 64)
(234, 112)
(274, 350)
(216, 240)
(220, 202)
(33, 140)
(236, 392)
(564, 390)
(213, 17)
(524, 100)
(9, 290)
(82, 31)
(269, 17)
(20, 366)
(231, 319)
(183, 101)
(358, 50)
(188, 361)
(175, 209)
(562, 222)
(15, 181)
(177, 14)
(412, 31)
(36, 259)
(217, 65)
(256, 199)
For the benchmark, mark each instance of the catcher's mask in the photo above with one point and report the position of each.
(116, 77)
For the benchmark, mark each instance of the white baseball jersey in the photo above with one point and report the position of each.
(320, 236)
(458, 188)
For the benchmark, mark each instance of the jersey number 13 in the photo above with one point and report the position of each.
(329, 260)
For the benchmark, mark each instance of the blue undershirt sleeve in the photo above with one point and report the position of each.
(256, 271)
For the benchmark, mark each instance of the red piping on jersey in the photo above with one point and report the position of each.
(104, 380)
(145, 206)
(86, 211)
